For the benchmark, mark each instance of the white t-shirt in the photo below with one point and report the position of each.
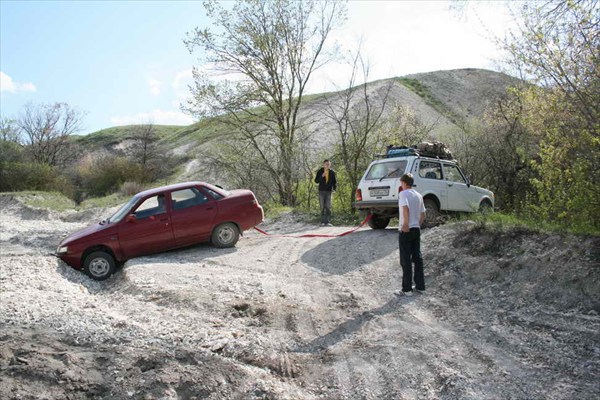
(414, 201)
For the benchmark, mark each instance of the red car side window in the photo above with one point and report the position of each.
(187, 198)
(151, 206)
(213, 194)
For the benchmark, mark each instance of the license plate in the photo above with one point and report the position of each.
(379, 192)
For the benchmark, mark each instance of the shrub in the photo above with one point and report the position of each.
(19, 176)
(130, 188)
(105, 175)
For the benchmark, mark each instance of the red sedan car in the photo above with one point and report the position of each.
(162, 219)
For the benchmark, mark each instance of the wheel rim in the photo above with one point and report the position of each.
(226, 234)
(99, 267)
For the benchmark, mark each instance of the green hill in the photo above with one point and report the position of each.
(112, 136)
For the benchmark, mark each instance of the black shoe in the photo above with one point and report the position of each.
(421, 291)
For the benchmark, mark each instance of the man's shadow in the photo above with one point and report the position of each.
(348, 253)
(349, 327)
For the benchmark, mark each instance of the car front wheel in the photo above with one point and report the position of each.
(486, 208)
(99, 265)
(432, 213)
(225, 235)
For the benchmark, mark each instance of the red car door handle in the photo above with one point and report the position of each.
(209, 208)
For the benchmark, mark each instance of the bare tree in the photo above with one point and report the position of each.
(557, 45)
(11, 152)
(9, 130)
(145, 151)
(357, 112)
(46, 129)
(272, 47)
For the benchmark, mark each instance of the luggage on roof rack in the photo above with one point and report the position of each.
(425, 149)
(397, 151)
(434, 149)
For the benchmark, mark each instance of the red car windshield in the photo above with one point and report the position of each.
(119, 215)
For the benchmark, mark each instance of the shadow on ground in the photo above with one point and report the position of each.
(348, 253)
(351, 326)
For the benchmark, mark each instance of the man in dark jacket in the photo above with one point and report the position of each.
(327, 185)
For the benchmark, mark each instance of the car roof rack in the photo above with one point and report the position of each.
(377, 156)
(430, 156)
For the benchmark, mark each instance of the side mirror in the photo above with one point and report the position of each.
(130, 218)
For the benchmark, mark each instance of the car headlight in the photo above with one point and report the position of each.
(62, 250)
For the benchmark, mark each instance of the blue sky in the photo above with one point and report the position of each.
(124, 62)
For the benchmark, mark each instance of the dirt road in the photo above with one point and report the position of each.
(506, 315)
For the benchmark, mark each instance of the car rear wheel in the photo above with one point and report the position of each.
(377, 222)
(225, 235)
(432, 213)
(99, 265)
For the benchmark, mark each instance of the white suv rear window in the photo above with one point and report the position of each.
(392, 169)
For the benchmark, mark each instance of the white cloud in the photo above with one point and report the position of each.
(154, 86)
(28, 87)
(156, 116)
(182, 80)
(8, 85)
(180, 87)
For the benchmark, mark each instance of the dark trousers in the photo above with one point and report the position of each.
(410, 252)
(325, 204)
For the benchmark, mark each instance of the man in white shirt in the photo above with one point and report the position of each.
(412, 216)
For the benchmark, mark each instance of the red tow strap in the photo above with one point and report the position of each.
(317, 235)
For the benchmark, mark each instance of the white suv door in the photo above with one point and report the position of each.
(461, 197)
(430, 180)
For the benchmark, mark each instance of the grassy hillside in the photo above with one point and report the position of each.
(199, 132)
(112, 136)
(462, 92)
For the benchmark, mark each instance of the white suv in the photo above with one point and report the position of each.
(442, 184)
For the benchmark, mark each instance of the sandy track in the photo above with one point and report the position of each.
(297, 319)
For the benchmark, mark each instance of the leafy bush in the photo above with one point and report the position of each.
(105, 175)
(19, 176)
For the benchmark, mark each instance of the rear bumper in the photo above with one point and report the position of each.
(361, 205)
(260, 216)
(250, 219)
